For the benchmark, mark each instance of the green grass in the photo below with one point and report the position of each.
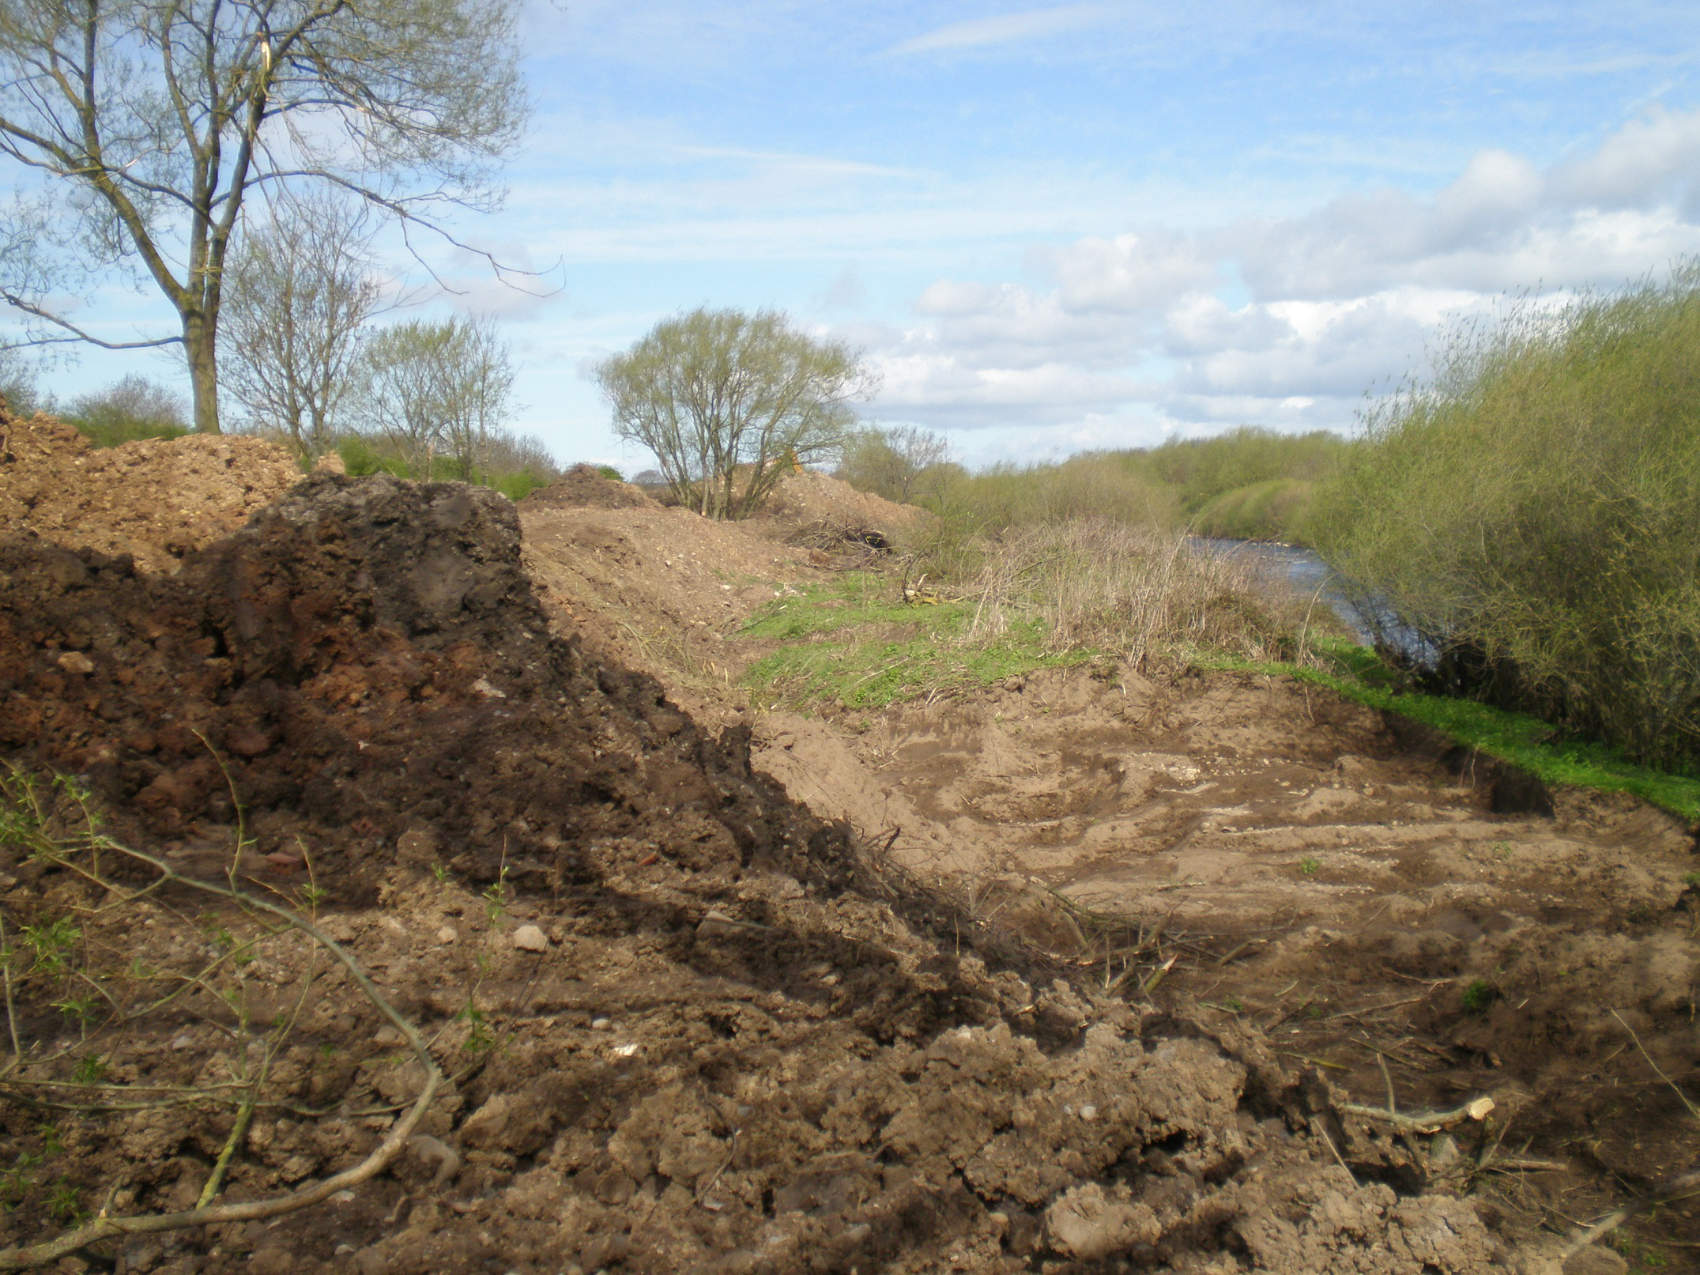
(1518, 738)
(853, 600)
(850, 643)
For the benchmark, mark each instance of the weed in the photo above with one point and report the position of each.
(480, 1039)
(1691, 878)
(79, 1009)
(91, 1069)
(18, 1180)
(495, 896)
(440, 871)
(1309, 866)
(1640, 1256)
(64, 1203)
(1478, 996)
(50, 946)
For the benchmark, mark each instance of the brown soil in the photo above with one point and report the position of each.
(153, 500)
(585, 485)
(1340, 882)
(730, 1043)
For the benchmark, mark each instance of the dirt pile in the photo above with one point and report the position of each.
(585, 486)
(707, 1051)
(154, 499)
(815, 501)
(661, 590)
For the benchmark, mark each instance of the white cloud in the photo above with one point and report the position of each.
(1654, 157)
(1138, 327)
(1628, 205)
(1130, 272)
(1199, 323)
(1008, 28)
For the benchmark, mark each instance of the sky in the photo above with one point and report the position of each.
(1078, 226)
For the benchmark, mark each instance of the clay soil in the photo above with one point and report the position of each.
(1077, 974)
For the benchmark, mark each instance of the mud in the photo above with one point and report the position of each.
(715, 1048)
(1398, 915)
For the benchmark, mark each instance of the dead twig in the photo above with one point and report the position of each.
(1424, 1121)
(1687, 1184)
(1658, 1071)
(105, 1226)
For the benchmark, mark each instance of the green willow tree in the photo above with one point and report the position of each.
(149, 123)
(729, 401)
(437, 389)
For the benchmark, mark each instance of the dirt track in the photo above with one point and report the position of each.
(740, 1049)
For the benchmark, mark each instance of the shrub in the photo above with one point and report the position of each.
(1097, 583)
(1092, 486)
(129, 409)
(1201, 471)
(1275, 509)
(515, 465)
(1535, 511)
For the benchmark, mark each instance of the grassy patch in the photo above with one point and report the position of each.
(849, 643)
(854, 600)
(1523, 740)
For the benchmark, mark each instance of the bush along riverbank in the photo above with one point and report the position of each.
(1534, 510)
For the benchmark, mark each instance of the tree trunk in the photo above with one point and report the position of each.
(199, 345)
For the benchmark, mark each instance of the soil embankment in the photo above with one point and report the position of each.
(683, 1030)
(1409, 922)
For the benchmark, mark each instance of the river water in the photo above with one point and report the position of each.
(1304, 575)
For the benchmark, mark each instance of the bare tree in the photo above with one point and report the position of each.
(437, 388)
(149, 123)
(17, 383)
(900, 463)
(134, 406)
(728, 401)
(296, 298)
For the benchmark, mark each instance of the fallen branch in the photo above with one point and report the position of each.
(105, 1226)
(1425, 1121)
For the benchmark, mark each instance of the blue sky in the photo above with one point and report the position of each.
(1083, 225)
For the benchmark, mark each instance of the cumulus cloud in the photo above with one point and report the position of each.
(1502, 223)
(1287, 322)
(1656, 157)
(1131, 272)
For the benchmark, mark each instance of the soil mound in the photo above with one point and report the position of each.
(586, 486)
(812, 501)
(711, 1055)
(155, 499)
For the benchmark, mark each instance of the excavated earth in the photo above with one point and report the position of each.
(687, 1022)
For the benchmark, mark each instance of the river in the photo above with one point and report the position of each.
(1301, 573)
